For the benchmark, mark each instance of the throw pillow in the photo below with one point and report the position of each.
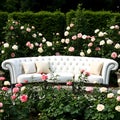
(42, 67)
(96, 68)
(29, 67)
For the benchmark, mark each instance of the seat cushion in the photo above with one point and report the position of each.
(62, 77)
(30, 78)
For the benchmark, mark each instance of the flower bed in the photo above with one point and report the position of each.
(48, 101)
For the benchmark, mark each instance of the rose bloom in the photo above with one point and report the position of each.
(66, 33)
(12, 54)
(6, 83)
(100, 34)
(31, 46)
(103, 89)
(82, 54)
(23, 88)
(117, 46)
(40, 34)
(97, 48)
(15, 90)
(2, 51)
(23, 98)
(86, 73)
(18, 85)
(1, 104)
(118, 92)
(5, 88)
(114, 55)
(90, 44)
(28, 29)
(71, 24)
(116, 26)
(62, 40)
(71, 49)
(43, 40)
(79, 35)
(49, 44)
(117, 108)
(118, 98)
(34, 35)
(11, 28)
(44, 77)
(96, 31)
(109, 42)
(89, 51)
(13, 97)
(28, 43)
(68, 28)
(100, 107)
(84, 36)
(102, 42)
(1, 110)
(6, 45)
(110, 95)
(40, 50)
(22, 27)
(92, 38)
(15, 47)
(2, 78)
(112, 27)
(118, 80)
(69, 83)
(67, 40)
(74, 37)
(89, 89)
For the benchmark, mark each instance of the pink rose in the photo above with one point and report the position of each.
(79, 35)
(5, 88)
(59, 87)
(11, 27)
(44, 77)
(69, 83)
(15, 90)
(13, 97)
(2, 78)
(18, 85)
(82, 71)
(86, 73)
(12, 54)
(71, 49)
(90, 44)
(97, 48)
(1, 104)
(114, 55)
(89, 89)
(74, 37)
(23, 98)
(28, 44)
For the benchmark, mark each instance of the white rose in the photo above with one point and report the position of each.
(102, 42)
(6, 45)
(22, 27)
(15, 47)
(109, 42)
(34, 35)
(2, 51)
(117, 27)
(100, 34)
(118, 92)
(103, 89)
(96, 31)
(88, 51)
(68, 28)
(117, 45)
(67, 40)
(112, 27)
(110, 95)
(49, 44)
(117, 108)
(43, 39)
(62, 40)
(66, 33)
(118, 80)
(40, 34)
(6, 83)
(100, 107)
(23, 88)
(84, 36)
(40, 50)
(82, 54)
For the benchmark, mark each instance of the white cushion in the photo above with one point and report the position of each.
(63, 76)
(30, 78)
(96, 68)
(29, 67)
(42, 67)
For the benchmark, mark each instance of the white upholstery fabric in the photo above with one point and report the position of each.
(61, 64)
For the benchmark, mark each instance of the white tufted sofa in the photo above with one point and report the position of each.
(64, 66)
